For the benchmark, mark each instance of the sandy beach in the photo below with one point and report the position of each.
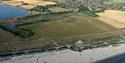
(68, 56)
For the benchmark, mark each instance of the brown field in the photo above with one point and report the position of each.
(31, 3)
(113, 17)
(12, 3)
(33, 13)
(58, 9)
(28, 7)
(36, 2)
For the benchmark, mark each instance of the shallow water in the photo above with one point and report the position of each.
(7, 12)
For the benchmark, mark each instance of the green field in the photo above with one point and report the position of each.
(64, 28)
(6, 35)
(117, 1)
(71, 26)
(7, 40)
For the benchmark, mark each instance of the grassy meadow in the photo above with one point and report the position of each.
(70, 26)
(117, 1)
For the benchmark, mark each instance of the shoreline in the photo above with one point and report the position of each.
(94, 44)
(87, 44)
(43, 49)
(89, 55)
(29, 12)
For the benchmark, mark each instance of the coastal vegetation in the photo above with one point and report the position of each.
(64, 23)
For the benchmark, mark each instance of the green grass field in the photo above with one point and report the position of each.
(6, 36)
(7, 40)
(117, 1)
(71, 26)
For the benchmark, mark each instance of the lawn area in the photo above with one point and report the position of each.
(70, 26)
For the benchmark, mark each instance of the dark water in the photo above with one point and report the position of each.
(7, 12)
(115, 59)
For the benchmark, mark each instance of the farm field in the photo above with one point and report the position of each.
(57, 9)
(113, 17)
